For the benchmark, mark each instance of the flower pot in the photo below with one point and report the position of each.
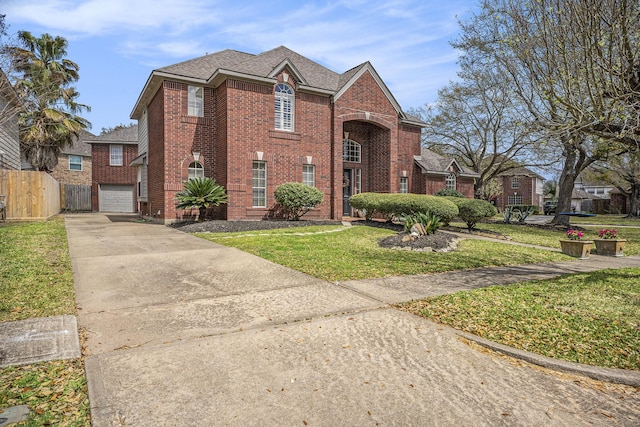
(580, 249)
(610, 247)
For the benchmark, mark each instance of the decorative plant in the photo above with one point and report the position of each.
(296, 199)
(608, 234)
(429, 222)
(575, 235)
(201, 193)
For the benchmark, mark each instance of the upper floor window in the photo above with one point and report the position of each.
(451, 181)
(404, 184)
(284, 107)
(196, 101)
(75, 163)
(115, 155)
(309, 175)
(350, 151)
(515, 183)
(196, 170)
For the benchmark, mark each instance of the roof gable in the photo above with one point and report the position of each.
(121, 135)
(433, 163)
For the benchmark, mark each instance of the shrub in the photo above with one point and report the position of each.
(518, 212)
(472, 211)
(201, 193)
(399, 205)
(449, 192)
(296, 199)
(429, 222)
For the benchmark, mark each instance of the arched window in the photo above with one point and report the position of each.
(451, 181)
(350, 151)
(196, 170)
(284, 107)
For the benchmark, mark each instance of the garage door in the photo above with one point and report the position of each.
(116, 198)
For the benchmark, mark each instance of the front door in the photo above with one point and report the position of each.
(347, 191)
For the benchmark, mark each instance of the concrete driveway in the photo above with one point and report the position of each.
(181, 331)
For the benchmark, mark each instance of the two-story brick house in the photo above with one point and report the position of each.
(253, 122)
(520, 186)
(114, 179)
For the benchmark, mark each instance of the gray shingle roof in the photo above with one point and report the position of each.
(124, 135)
(432, 162)
(261, 65)
(79, 147)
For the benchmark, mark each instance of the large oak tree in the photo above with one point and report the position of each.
(574, 65)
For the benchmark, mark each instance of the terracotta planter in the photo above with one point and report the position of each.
(610, 247)
(580, 249)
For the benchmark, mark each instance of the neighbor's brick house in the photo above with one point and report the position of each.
(442, 172)
(253, 122)
(520, 186)
(113, 183)
(74, 161)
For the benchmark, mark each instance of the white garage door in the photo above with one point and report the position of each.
(116, 198)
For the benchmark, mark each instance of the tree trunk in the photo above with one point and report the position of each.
(565, 188)
(633, 199)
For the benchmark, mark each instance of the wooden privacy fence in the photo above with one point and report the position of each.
(30, 195)
(75, 197)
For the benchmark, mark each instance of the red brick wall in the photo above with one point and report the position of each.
(103, 173)
(526, 189)
(238, 124)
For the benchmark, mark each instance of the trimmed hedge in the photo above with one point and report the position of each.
(296, 199)
(389, 205)
(472, 211)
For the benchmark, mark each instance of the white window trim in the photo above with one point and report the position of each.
(515, 183)
(284, 98)
(260, 190)
(309, 175)
(196, 101)
(116, 155)
(196, 170)
(404, 185)
(451, 181)
(75, 163)
(351, 151)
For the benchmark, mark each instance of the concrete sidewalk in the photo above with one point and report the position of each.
(181, 331)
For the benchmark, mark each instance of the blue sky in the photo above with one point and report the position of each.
(117, 43)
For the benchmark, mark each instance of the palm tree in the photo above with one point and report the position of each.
(51, 119)
(201, 193)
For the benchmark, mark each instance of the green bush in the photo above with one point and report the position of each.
(399, 205)
(449, 192)
(296, 199)
(472, 211)
(201, 193)
(429, 222)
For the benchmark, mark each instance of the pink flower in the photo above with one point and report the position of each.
(608, 233)
(575, 235)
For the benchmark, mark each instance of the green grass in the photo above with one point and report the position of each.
(354, 253)
(590, 318)
(35, 269)
(551, 238)
(606, 219)
(37, 281)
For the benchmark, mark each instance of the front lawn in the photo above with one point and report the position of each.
(37, 281)
(591, 318)
(353, 253)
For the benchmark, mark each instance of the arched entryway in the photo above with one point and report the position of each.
(366, 161)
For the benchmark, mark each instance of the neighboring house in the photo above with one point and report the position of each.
(590, 196)
(520, 186)
(253, 122)
(443, 172)
(10, 106)
(113, 178)
(74, 162)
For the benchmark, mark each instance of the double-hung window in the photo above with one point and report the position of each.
(514, 199)
(309, 175)
(75, 163)
(259, 184)
(284, 107)
(115, 155)
(196, 101)
(515, 183)
(404, 184)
